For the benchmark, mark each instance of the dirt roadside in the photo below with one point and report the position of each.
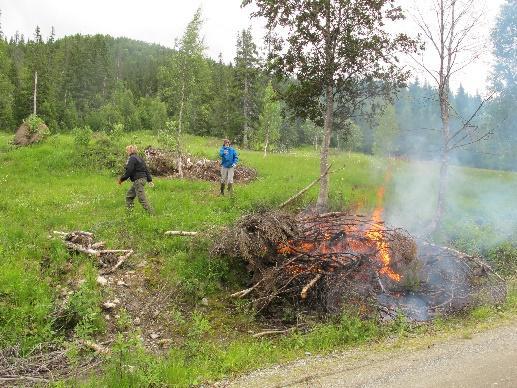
(485, 359)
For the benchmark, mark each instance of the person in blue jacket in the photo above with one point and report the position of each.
(229, 160)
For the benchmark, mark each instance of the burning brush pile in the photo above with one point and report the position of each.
(164, 163)
(324, 262)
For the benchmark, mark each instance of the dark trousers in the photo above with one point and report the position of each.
(137, 190)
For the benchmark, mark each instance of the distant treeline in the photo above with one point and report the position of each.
(100, 81)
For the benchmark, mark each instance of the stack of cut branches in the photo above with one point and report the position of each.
(322, 262)
(109, 259)
(296, 258)
(43, 365)
(163, 163)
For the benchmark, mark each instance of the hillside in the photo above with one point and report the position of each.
(173, 290)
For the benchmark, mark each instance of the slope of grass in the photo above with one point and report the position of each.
(49, 187)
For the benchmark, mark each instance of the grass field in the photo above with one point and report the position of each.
(51, 186)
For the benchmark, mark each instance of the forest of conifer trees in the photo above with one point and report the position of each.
(100, 81)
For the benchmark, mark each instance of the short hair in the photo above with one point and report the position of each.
(227, 141)
(131, 149)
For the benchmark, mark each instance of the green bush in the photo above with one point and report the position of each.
(33, 122)
(82, 137)
(36, 125)
(82, 313)
(504, 259)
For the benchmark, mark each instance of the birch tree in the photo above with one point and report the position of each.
(452, 39)
(270, 119)
(339, 54)
(182, 81)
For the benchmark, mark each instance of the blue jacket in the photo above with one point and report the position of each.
(228, 156)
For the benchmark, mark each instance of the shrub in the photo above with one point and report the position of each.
(34, 122)
(504, 259)
(82, 313)
(82, 137)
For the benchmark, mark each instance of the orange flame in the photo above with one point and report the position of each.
(354, 241)
(375, 234)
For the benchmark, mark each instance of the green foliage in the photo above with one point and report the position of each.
(98, 150)
(270, 121)
(6, 89)
(246, 87)
(82, 138)
(185, 81)
(34, 122)
(83, 312)
(504, 259)
(152, 113)
(386, 132)
(25, 302)
(352, 137)
(36, 125)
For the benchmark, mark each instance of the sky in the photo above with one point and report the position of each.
(162, 21)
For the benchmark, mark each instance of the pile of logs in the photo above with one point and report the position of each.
(108, 259)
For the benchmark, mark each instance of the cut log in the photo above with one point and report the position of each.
(311, 284)
(180, 233)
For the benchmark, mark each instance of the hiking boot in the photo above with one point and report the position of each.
(230, 188)
(222, 188)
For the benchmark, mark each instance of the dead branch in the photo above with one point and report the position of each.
(94, 346)
(78, 232)
(273, 332)
(80, 248)
(303, 191)
(243, 293)
(180, 233)
(119, 263)
(98, 245)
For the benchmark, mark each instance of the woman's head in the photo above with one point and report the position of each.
(131, 149)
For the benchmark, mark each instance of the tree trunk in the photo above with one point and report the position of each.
(35, 92)
(266, 143)
(178, 137)
(323, 196)
(246, 102)
(444, 161)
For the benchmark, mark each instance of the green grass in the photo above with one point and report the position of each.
(48, 187)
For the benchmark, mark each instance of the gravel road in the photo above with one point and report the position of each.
(487, 359)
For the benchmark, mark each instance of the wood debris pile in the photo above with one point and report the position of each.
(108, 259)
(164, 163)
(324, 262)
(43, 365)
